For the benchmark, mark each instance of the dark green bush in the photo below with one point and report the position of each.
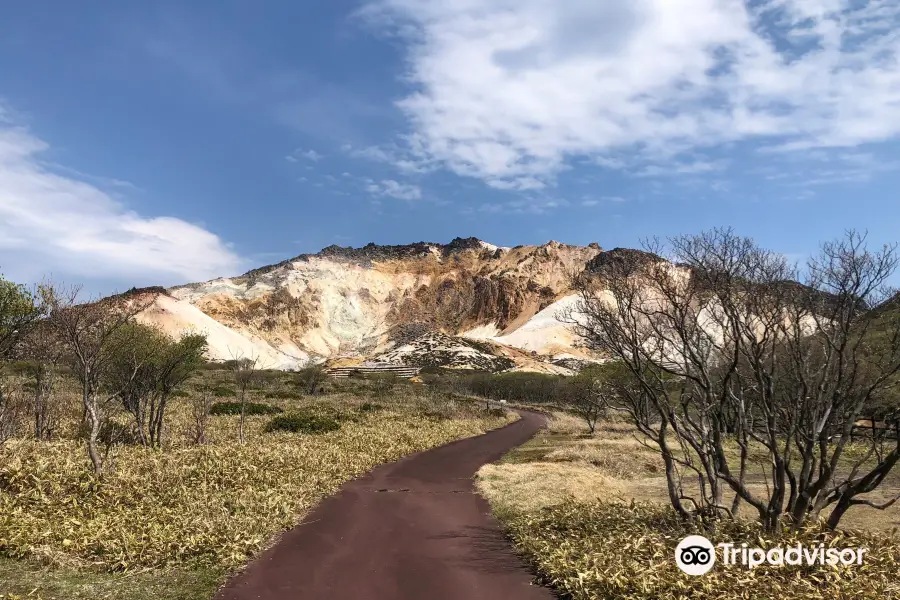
(250, 408)
(222, 391)
(370, 407)
(529, 388)
(302, 423)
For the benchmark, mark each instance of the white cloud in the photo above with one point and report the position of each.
(531, 205)
(698, 167)
(409, 159)
(301, 154)
(395, 189)
(54, 223)
(590, 202)
(507, 90)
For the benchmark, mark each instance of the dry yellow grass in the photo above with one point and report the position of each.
(204, 506)
(593, 550)
(533, 486)
(622, 458)
(591, 513)
(565, 423)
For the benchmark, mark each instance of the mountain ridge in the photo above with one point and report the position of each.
(345, 302)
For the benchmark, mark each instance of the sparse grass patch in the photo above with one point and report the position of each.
(566, 423)
(535, 485)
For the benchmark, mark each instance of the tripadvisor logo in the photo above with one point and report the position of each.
(696, 555)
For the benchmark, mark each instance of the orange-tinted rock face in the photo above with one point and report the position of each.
(345, 301)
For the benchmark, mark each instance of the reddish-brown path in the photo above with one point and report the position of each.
(409, 530)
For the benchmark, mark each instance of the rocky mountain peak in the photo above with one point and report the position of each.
(377, 252)
(344, 301)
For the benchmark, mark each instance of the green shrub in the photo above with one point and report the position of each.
(370, 407)
(529, 388)
(222, 391)
(302, 423)
(250, 408)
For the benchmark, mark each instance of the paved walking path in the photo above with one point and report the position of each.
(409, 530)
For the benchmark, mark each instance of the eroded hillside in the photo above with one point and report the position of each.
(390, 301)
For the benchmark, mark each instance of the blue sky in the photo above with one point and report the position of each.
(167, 142)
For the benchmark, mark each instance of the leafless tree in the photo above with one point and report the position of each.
(42, 350)
(245, 372)
(87, 332)
(201, 403)
(726, 354)
(589, 396)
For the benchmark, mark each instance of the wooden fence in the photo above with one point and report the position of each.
(367, 369)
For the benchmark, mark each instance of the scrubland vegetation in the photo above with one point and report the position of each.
(126, 472)
(590, 512)
(737, 405)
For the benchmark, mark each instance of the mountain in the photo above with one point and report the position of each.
(463, 304)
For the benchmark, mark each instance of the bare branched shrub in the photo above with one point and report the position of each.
(42, 352)
(725, 350)
(311, 378)
(383, 385)
(245, 372)
(13, 408)
(589, 396)
(201, 403)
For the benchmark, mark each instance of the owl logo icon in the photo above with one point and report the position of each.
(695, 555)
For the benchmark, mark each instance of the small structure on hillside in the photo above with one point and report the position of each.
(368, 368)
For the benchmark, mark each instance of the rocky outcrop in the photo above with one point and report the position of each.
(619, 260)
(441, 350)
(344, 302)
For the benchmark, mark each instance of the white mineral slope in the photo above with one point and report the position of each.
(176, 317)
(544, 333)
(348, 304)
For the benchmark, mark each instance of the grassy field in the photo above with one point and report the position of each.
(591, 514)
(171, 523)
